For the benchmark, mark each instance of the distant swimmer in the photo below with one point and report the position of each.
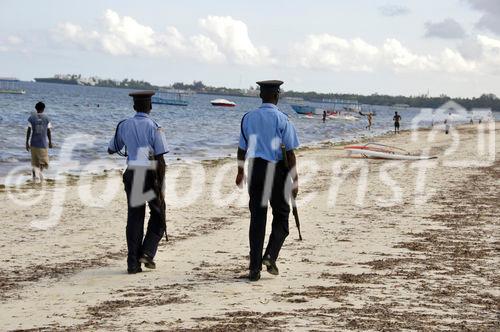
(39, 128)
(324, 116)
(397, 119)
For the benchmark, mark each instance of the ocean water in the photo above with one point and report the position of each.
(198, 131)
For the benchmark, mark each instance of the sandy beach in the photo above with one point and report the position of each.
(387, 246)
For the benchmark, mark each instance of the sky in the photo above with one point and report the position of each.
(411, 47)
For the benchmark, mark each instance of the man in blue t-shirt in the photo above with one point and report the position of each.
(39, 129)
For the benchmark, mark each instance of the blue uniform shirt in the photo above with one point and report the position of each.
(143, 138)
(263, 131)
(39, 124)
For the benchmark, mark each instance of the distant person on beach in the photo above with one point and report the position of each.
(39, 128)
(447, 122)
(369, 117)
(145, 143)
(324, 116)
(397, 119)
(262, 132)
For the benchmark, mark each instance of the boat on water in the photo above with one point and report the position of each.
(10, 85)
(222, 103)
(176, 98)
(400, 106)
(344, 117)
(303, 109)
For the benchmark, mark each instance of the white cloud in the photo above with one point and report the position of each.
(207, 49)
(224, 39)
(490, 54)
(232, 37)
(327, 51)
(393, 10)
(123, 35)
(11, 43)
(446, 29)
(75, 34)
(14, 40)
(402, 59)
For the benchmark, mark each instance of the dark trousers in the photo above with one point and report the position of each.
(258, 211)
(137, 243)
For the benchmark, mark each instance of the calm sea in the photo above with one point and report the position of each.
(198, 131)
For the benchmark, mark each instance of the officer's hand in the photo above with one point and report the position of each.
(27, 147)
(295, 189)
(240, 179)
(50, 145)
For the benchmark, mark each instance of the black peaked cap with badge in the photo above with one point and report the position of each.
(270, 85)
(142, 95)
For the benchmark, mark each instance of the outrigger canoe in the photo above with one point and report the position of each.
(381, 151)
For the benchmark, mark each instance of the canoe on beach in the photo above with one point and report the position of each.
(381, 151)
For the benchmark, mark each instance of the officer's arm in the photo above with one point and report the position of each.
(292, 162)
(241, 159)
(240, 177)
(160, 166)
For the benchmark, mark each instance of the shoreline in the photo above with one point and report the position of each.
(384, 263)
(216, 159)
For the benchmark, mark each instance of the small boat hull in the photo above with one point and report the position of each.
(13, 92)
(380, 153)
(164, 101)
(222, 103)
(303, 109)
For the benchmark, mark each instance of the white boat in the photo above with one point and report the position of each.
(381, 151)
(222, 102)
(343, 117)
(10, 85)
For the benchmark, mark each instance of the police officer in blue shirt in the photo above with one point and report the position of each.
(145, 145)
(262, 132)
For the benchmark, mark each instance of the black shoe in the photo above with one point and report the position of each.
(134, 270)
(271, 265)
(147, 261)
(254, 275)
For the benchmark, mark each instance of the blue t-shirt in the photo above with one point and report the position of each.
(39, 124)
(263, 131)
(143, 138)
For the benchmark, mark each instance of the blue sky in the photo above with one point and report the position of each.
(359, 46)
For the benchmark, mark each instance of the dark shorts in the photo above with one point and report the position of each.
(396, 124)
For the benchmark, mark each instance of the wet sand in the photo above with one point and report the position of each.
(386, 260)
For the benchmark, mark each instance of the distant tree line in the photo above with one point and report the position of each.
(484, 101)
(199, 87)
(126, 83)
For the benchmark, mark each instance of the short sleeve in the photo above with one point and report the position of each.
(289, 137)
(29, 124)
(159, 142)
(243, 144)
(116, 143)
(49, 125)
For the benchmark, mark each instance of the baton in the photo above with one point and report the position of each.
(294, 204)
